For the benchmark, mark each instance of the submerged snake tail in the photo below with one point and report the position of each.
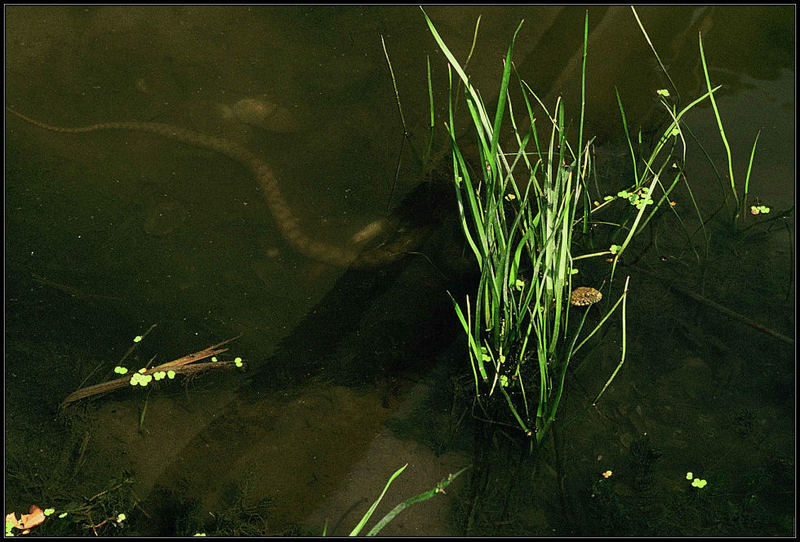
(287, 222)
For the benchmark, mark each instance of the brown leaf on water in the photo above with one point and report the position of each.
(33, 518)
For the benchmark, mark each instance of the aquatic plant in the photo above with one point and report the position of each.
(518, 218)
(521, 213)
(424, 496)
(740, 200)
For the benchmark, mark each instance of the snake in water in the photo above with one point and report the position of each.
(287, 222)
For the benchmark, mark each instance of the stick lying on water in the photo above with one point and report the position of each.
(183, 365)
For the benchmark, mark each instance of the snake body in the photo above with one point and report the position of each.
(288, 224)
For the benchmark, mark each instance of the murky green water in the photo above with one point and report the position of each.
(111, 231)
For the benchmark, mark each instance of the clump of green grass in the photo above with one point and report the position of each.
(520, 212)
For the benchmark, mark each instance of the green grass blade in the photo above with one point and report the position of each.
(501, 103)
(719, 120)
(624, 342)
(438, 488)
(747, 177)
(459, 70)
(658, 58)
(357, 528)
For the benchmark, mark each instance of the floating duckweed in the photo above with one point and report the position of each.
(143, 370)
(121, 518)
(199, 534)
(504, 381)
(238, 362)
(573, 271)
(663, 92)
(608, 198)
(145, 380)
(213, 358)
(607, 474)
(62, 515)
(698, 483)
(689, 475)
(137, 339)
(636, 198)
(135, 379)
(614, 249)
(49, 511)
(171, 374)
(120, 370)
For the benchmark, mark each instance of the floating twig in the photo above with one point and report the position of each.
(182, 365)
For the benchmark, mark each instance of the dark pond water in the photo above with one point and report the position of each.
(351, 350)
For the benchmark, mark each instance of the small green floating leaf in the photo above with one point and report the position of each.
(49, 511)
(62, 515)
(663, 92)
(121, 518)
(213, 358)
(171, 374)
(614, 249)
(120, 370)
(698, 483)
(504, 381)
(608, 198)
(143, 370)
(689, 475)
(137, 339)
